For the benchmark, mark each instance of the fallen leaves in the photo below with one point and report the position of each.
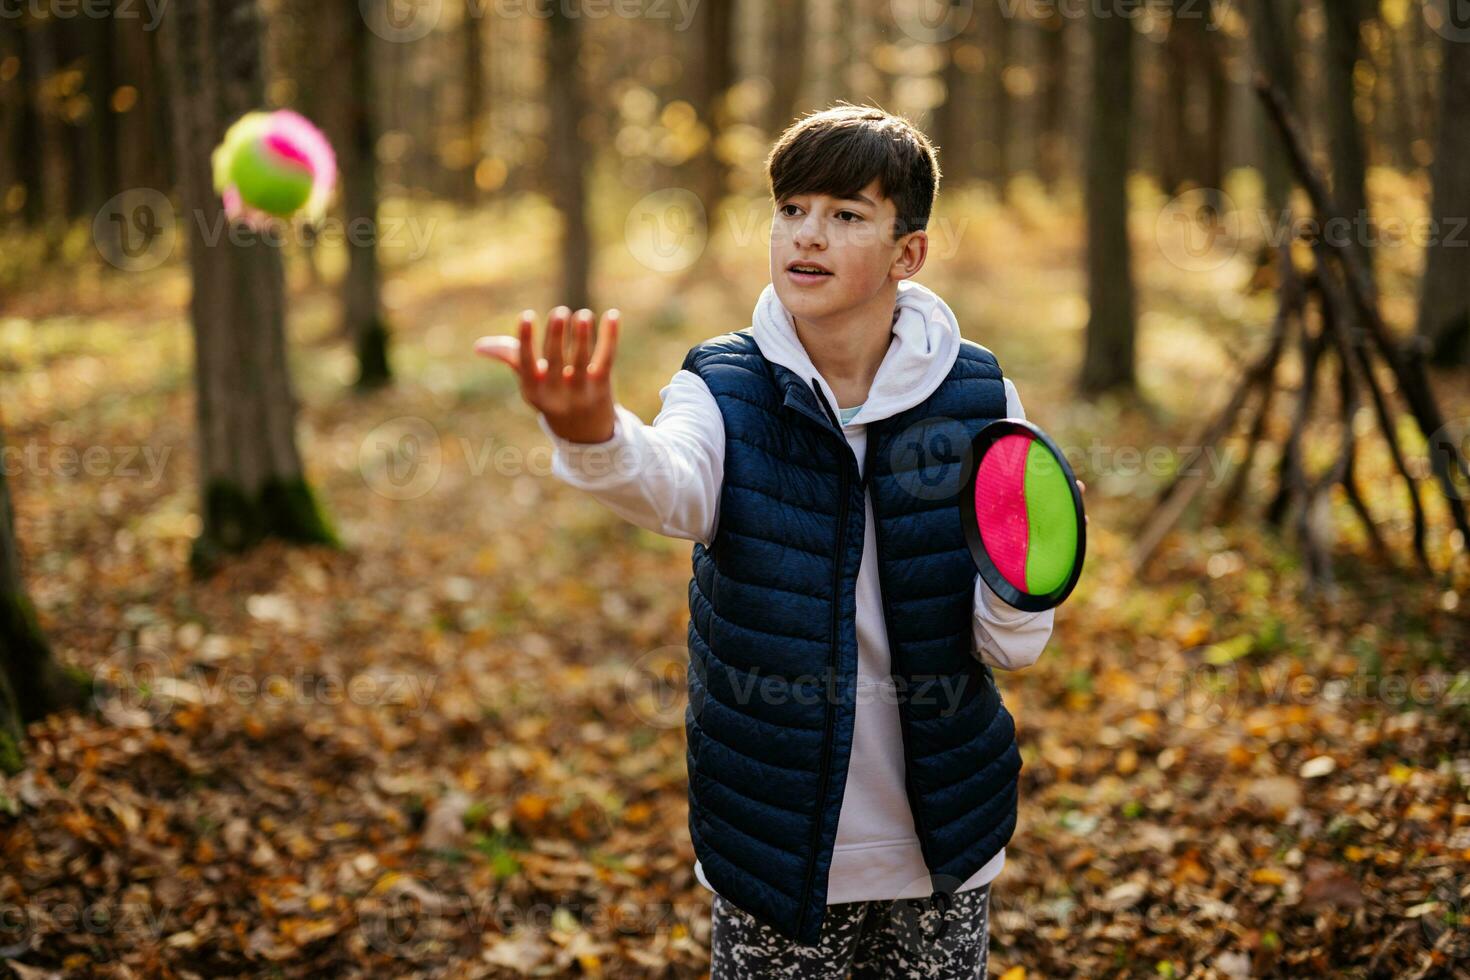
(1217, 778)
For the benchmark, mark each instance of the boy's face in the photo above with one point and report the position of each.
(852, 239)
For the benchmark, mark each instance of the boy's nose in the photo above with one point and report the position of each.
(809, 235)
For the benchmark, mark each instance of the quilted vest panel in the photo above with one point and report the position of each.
(773, 641)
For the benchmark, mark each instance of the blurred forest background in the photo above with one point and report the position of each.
(309, 667)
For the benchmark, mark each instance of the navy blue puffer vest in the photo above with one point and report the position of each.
(773, 640)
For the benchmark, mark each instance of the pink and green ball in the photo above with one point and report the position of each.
(274, 163)
(1026, 514)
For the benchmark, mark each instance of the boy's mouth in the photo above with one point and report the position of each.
(808, 271)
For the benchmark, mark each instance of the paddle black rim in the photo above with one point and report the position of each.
(1026, 601)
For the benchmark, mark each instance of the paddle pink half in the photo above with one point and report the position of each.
(1000, 510)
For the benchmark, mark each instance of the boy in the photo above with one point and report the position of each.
(853, 771)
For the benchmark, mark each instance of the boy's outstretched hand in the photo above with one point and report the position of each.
(575, 397)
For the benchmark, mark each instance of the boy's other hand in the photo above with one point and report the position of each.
(575, 397)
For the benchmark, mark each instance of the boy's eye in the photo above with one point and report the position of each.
(848, 216)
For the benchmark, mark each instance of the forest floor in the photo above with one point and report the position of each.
(454, 747)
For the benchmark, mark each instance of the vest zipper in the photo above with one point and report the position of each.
(823, 774)
(944, 899)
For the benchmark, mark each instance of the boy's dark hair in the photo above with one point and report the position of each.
(840, 150)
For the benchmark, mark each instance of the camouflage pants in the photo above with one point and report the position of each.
(905, 938)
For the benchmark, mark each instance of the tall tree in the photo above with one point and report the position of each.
(32, 682)
(52, 162)
(1051, 136)
(98, 129)
(1108, 358)
(952, 130)
(998, 58)
(1444, 303)
(1194, 104)
(12, 112)
(786, 40)
(141, 128)
(474, 98)
(362, 295)
(566, 172)
(715, 74)
(252, 482)
(1273, 39)
(1344, 47)
(1209, 168)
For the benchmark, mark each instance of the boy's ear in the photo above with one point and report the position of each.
(913, 250)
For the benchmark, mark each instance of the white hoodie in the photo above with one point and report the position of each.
(666, 477)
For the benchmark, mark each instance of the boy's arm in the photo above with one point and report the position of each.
(664, 477)
(1007, 637)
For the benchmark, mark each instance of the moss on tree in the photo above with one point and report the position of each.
(372, 356)
(33, 683)
(233, 522)
(11, 759)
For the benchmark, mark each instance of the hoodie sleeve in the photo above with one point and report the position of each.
(1007, 637)
(664, 477)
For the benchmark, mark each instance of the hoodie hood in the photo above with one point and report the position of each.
(925, 344)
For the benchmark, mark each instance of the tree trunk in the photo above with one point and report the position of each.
(1052, 141)
(1399, 104)
(33, 683)
(1173, 136)
(361, 293)
(53, 161)
(252, 483)
(715, 74)
(1108, 359)
(1444, 303)
(952, 131)
(566, 169)
(1210, 169)
(787, 43)
(99, 127)
(1003, 166)
(1273, 41)
(1345, 133)
(12, 116)
(165, 164)
(474, 98)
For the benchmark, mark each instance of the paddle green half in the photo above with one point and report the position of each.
(1051, 517)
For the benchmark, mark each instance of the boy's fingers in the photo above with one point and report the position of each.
(607, 344)
(579, 354)
(555, 332)
(500, 348)
(528, 349)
